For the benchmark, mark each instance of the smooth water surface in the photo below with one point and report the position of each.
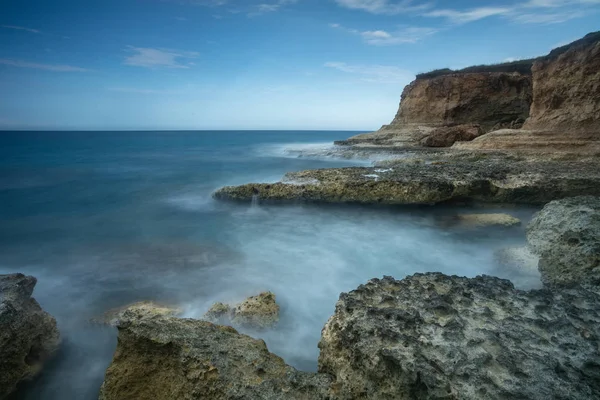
(103, 219)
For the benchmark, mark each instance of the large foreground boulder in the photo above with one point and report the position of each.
(566, 235)
(28, 335)
(432, 336)
(164, 358)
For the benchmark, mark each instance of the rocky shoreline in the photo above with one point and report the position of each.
(427, 336)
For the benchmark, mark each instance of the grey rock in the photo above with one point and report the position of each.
(566, 235)
(432, 336)
(28, 335)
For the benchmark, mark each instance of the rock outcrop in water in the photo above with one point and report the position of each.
(566, 235)
(256, 312)
(432, 336)
(428, 336)
(28, 335)
(164, 358)
(484, 178)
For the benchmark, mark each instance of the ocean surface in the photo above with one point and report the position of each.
(104, 219)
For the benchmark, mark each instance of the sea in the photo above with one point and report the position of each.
(104, 219)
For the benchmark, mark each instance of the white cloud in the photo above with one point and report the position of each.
(47, 67)
(460, 17)
(264, 8)
(384, 6)
(529, 12)
(20, 28)
(156, 58)
(373, 73)
(385, 38)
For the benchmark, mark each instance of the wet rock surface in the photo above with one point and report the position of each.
(481, 177)
(256, 312)
(432, 336)
(566, 235)
(28, 335)
(165, 358)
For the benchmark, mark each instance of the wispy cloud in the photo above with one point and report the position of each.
(461, 17)
(385, 38)
(158, 58)
(47, 67)
(373, 73)
(20, 28)
(385, 6)
(529, 12)
(264, 8)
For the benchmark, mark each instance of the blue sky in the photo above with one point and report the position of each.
(246, 64)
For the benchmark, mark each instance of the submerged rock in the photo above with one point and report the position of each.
(473, 177)
(432, 336)
(483, 220)
(566, 235)
(166, 358)
(28, 335)
(256, 312)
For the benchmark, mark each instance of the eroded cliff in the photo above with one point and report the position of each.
(566, 88)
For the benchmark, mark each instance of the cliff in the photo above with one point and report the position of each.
(487, 99)
(483, 100)
(566, 88)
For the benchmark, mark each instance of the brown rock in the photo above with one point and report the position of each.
(447, 136)
(256, 312)
(566, 89)
(164, 358)
(147, 308)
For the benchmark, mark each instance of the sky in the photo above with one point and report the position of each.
(252, 64)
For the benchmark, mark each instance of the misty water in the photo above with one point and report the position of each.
(106, 219)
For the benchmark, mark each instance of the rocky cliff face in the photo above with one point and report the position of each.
(566, 88)
(28, 335)
(491, 100)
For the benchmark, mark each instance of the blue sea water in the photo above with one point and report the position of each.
(103, 219)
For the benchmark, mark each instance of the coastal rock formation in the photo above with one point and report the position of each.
(256, 312)
(566, 89)
(166, 358)
(491, 100)
(146, 308)
(428, 336)
(447, 136)
(487, 99)
(432, 336)
(566, 235)
(28, 335)
(476, 177)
